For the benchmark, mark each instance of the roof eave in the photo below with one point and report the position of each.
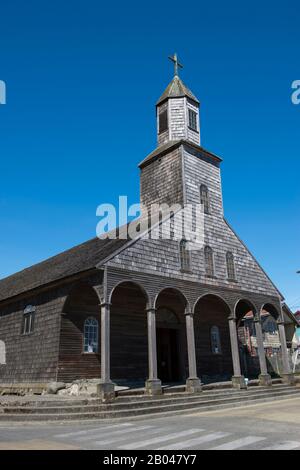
(157, 153)
(183, 95)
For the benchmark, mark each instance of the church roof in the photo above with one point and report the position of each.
(171, 145)
(176, 89)
(78, 259)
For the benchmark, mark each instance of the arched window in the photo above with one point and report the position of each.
(91, 335)
(204, 198)
(215, 340)
(28, 320)
(2, 353)
(230, 265)
(209, 261)
(185, 259)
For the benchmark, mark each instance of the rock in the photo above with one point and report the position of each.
(63, 392)
(54, 387)
(74, 390)
(85, 387)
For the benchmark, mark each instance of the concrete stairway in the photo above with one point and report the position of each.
(132, 407)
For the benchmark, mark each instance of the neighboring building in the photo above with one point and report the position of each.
(247, 334)
(271, 340)
(297, 316)
(144, 309)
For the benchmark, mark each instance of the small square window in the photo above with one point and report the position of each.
(193, 120)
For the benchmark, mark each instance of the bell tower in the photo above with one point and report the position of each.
(177, 111)
(179, 170)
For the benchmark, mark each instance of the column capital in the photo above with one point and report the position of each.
(105, 304)
(280, 322)
(257, 319)
(189, 314)
(232, 318)
(150, 310)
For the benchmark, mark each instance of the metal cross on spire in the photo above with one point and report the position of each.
(177, 64)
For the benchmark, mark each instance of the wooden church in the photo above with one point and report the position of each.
(145, 310)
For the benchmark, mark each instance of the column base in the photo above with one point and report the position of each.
(238, 381)
(106, 390)
(193, 385)
(265, 380)
(288, 379)
(153, 387)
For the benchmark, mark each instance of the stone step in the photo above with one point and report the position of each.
(56, 401)
(150, 408)
(131, 402)
(138, 401)
(207, 393)
(141, 404)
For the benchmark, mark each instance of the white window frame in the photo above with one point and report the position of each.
(89, 337)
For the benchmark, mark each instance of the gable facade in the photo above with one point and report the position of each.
(176, 178)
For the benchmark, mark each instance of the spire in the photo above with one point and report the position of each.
(177, 111)
(177, 89)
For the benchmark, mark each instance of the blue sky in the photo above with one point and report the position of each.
(82, 80)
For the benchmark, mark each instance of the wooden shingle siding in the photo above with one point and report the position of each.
(211, 313)
(32, 357)
(177, 110)
(73, 363)
(161, 182)
(129, 341)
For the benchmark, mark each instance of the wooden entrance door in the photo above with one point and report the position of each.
(167, 354)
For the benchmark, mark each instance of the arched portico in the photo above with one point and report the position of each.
(278, 321)
(77, 358)
(251, 348)
(170, 306)
(128, 333)
(212, 338)
(271, 310)
(251, 342)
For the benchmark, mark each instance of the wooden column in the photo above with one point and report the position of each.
(238, 379)
(193, 383)
(106, 386)
(264, 377)
(153, 384)
(287, 375)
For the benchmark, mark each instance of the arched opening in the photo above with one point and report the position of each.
(2, 353)
(248, 349)
(129, 340)
(272, 344)
(212, 339)
(170, 336)
(76, 361)
(271, 310)
(249, 354)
